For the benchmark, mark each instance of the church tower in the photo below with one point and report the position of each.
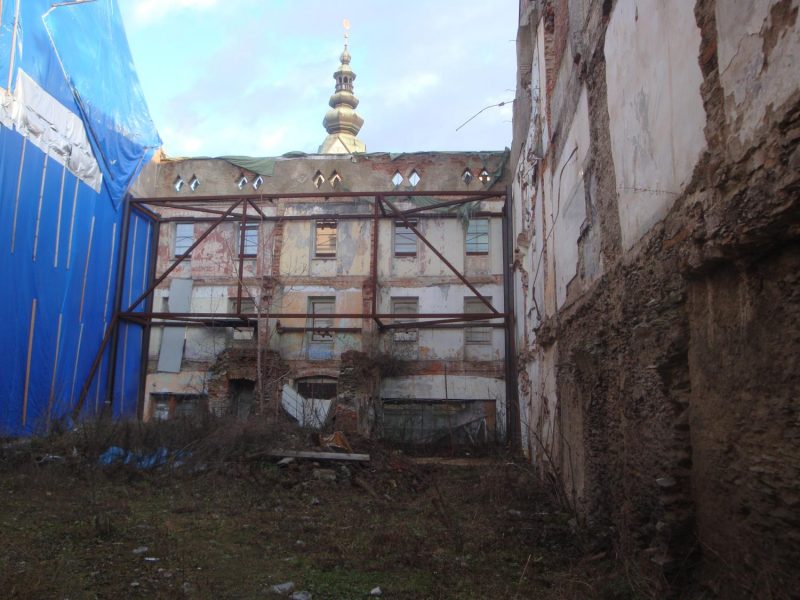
(341, 121)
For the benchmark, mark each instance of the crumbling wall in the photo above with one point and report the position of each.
(242, 363)
(660, 385)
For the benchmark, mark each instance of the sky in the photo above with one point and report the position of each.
(253, 77)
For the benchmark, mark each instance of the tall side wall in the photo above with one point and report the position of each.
(656, 218)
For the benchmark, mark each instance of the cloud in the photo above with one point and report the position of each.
(149, 11)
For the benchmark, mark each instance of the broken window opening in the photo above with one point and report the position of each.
(242, 181)
(478, 237)
(397, 179)
(335, 179)
(178, 183)
(405, 306)
(484, 176)
(473, 334)
(405, 240)
(325, 239)
(414, 178)
(184, 237)
(245, 332)
(467, 176)
(317, 388)
(259, 181)
(321, 321)
(194, 183)
(319, 179)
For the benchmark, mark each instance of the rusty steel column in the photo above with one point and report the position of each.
(148, 307)
(373, 263)
(242, 238)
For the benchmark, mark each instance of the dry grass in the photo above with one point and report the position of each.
(229, 526)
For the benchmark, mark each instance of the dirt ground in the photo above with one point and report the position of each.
(231, 523)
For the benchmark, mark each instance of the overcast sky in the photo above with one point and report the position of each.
(253, 77)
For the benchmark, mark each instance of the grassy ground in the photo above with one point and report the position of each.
(232, 525)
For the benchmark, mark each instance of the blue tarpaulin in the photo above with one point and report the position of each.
(74, 133)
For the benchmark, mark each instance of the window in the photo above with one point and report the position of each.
(321, 310)
(184, 237)
(250, 238)
(248, 305)
(245, 332)
(405, 306)
(319, 388)
(325, 239)
(473, 334)
(478, 236)
(405, 240)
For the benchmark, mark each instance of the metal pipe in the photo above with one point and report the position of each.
(76, 410)
(327, 216)
(306, 315)
(311, 195)
(242, 240)
(373, 259)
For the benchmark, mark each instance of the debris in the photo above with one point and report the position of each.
(140, 550)
(151, 559)
(376, 591)
(318, 455)
(666, 482)
(285, 462)
(282, 588)
(48, 458)
(301, 595)
(334, 440)
(365, 486)
(324, 474)
(145, 462)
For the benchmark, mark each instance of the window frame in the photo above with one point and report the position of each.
(329, 224)
(485, 234)
(477, 336)
(410, 335)
(249, 227)
(178, 249)
(326, 322)
(402, 235)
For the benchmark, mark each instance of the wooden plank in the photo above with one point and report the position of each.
(319, 455)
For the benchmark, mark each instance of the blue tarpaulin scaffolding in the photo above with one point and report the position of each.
(74, 133)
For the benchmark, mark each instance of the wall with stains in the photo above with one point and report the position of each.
(655, 227)
(286, 275)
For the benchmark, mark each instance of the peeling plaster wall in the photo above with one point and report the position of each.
(656, 325)
(285, 274)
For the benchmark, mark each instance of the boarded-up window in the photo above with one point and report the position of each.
(405, 306)
(250, 238)
(184, 237)
(405, 240)
(478, 236)
(474, 333)
(321, 320)
(325, 239)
